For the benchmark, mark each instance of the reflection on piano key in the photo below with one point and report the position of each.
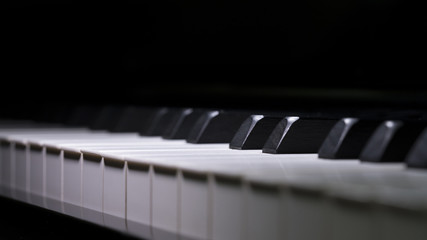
(108, 117)
(417, 156)
(216, 127)
(159, 122)
(347, 138)
(133, 119)
(182, 123)
(391, 141)
(254, 132)
(298, 135)
(83, 116)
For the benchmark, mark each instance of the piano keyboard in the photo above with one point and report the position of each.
(224, 175)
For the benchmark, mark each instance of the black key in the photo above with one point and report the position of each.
(254, 132)
(60, 114)
(52, 113)
(134, 118)
(216, 127)
(347, 138)
(108, 118)
(391, 141)
(84, 115)
(182, 123)
(298, 135)
(158, 122)
(417, 155)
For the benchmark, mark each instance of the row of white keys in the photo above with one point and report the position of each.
(114, 199)
(57, 174)
(255, 200)
(350, 204)
(17, 148)
(69, 180)
(169, 206)
(113, 193)
(166, 220)
(147, 166)
(11, 149)
(173, 182)
(201, 191)
(96, 172)
(400, 199)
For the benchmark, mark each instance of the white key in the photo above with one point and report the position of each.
(46, 168)
(138, 196)
(92, 179)
(115, 177)
(21, 172)
(6, 168)
(194, 186)
(114, 194)
(72, 183)
(402, 213)
(54, 180)
(37, 175)
(167, 194)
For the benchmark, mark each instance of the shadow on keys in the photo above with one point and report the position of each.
(28, 222)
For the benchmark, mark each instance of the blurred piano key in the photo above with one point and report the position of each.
(298, 135)
(182, 123)
(152, 187)
(254, 132)
(134, 118)
(417, 155)
(391, 141)
(216, 126)
(347, 138)
(159, 121)
(108, 117)
(83, 115)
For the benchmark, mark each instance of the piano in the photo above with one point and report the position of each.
(122, 171)
(214, 120)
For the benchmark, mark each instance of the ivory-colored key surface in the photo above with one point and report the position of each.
(45, 170)
(349, 205)
(114, 176)
(95, 167)
(168, 181)
(155, 188)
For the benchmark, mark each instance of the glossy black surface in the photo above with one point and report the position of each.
(216, 126)
(254, 132)
(182, 123)
(417, 155)
(391, 141)
(298, 135)
(134, 118)
(347, 138)
(29, 222)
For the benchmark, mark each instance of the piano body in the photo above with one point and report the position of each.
(214, 120)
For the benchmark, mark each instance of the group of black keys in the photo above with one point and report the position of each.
(370, 139)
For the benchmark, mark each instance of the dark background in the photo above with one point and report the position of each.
(215, 52)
